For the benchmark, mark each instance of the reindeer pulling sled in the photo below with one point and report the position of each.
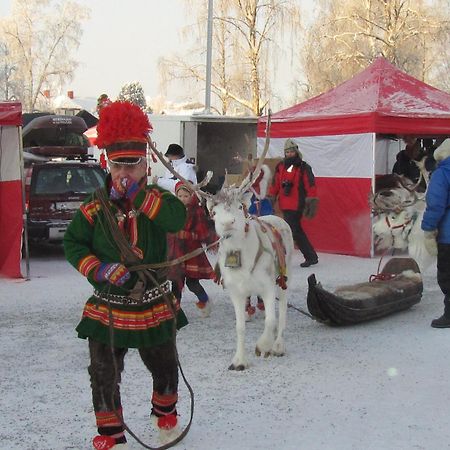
(397, 287)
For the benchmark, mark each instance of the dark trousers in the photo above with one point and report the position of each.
(160, 360)
(443, 274)
(300, 238)
(193, 285)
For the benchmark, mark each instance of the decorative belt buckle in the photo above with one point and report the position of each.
(233, 259)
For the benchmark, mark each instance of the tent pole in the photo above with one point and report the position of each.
(374, 141)
(24, 208)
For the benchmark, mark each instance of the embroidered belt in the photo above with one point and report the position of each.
(148, 297)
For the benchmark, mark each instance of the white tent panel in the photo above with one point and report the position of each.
(339, 156)
(9, 153)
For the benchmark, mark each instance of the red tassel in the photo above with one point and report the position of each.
(167, 422)
(102, 160)
(154, 159)
(281, 281)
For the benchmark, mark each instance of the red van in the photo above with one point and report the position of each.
(56, 191)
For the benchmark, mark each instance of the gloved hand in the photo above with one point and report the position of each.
(115, 273)
(430, 242)
(124, 188)
(311, 205)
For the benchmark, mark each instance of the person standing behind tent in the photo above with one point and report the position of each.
(436, 226)
(294, 185)
(177, 158)
(406, 159)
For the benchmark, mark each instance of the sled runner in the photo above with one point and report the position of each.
(397, 287)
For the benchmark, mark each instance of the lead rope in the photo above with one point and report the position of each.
(127, 253)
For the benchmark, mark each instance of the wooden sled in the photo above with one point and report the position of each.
(400, 289)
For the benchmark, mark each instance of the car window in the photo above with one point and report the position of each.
(61, 180)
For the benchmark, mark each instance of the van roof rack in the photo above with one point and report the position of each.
(59, 151)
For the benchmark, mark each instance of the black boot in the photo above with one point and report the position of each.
(444, 320)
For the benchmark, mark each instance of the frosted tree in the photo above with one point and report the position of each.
(40, 39)
(245, 51)
(346, 37)
(134, 93)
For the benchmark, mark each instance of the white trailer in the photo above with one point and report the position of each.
(212, 142)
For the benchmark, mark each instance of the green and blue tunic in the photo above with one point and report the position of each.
(88, 242)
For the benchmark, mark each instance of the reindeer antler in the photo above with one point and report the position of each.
(251, 177)
(393, 199)
(194, 187)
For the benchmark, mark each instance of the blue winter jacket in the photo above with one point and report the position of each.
(437, 213)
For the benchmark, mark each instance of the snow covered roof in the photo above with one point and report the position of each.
(64, 102)
(380, 99)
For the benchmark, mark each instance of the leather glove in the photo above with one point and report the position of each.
(114, 273)
(430, 242)
(124, 188)
(311, 205)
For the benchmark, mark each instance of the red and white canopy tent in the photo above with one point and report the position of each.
(340, 134)
(11, 193)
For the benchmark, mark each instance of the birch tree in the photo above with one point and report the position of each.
(347, 36)
(41, 37)
(245, 50)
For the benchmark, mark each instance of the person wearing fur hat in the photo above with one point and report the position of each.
(121, 225)
(295, 187)
(436, 226)
(175, 154)
(187, 240)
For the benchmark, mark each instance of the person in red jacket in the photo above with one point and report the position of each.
(294, 186)
(190, 238)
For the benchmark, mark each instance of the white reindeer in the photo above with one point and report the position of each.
(398, 224)
(250, 256)
(254, 258)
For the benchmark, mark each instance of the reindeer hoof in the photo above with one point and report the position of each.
(238, 367)
(266, 355)
(257, 351)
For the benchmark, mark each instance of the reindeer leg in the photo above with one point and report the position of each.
(279, 347)
(239, 361)
(265, 341)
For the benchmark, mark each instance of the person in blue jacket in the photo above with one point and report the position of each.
(436, 225)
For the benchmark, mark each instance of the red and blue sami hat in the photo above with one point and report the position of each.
(122, 130)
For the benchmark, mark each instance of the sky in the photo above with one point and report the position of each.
(123, 41)
(379, 385)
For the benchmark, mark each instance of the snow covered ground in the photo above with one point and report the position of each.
(378, 385)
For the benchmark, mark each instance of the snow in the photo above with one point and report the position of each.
(378, 385)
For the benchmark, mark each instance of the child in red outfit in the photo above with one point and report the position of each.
(190, 238)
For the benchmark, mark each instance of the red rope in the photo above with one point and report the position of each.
(382, 277)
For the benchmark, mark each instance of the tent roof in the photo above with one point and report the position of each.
(10, 113)
(379, 99)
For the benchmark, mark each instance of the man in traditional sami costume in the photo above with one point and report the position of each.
(127, 310)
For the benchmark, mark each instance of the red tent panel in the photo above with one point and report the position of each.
(10, 113)
(11, 210)
(343, 222)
